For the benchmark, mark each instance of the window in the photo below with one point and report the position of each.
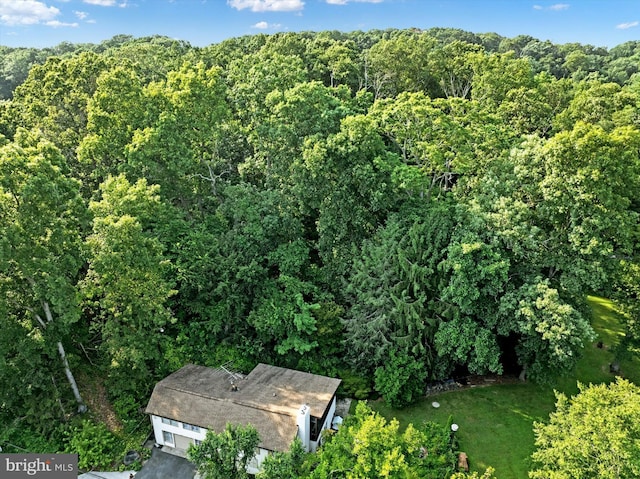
(190, 427)
(170, 422)
(315, 428)
(198, 442)
(168, 438)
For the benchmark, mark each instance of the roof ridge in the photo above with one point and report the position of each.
(238, 402)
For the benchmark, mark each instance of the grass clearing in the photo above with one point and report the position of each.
(496, 421)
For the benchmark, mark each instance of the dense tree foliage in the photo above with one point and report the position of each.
(593, 434)
(40, 260)
(284, 465)
(390, 206)
(366, 445)
(226, 454)
(126, 285)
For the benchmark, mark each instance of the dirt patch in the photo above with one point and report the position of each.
(95, 396)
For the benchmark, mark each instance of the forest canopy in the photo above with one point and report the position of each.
(389, 207)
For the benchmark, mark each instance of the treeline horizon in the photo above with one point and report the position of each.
(16, 61)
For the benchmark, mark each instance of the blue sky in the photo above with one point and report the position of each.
(41, 23)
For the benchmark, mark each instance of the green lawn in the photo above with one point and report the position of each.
(496, 421)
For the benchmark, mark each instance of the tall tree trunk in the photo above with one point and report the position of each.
(67, 370)
(72, 381)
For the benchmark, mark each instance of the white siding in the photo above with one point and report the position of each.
(179, 430)
(253, 467)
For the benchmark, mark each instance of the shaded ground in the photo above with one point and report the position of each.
(95, 396)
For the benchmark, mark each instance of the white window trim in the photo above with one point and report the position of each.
(166, 434)
(190, 427)
(170, 422)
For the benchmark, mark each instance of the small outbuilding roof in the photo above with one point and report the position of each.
(269, 398)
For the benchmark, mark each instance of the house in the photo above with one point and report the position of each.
(280, 403)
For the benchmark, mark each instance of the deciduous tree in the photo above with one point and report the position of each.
(43, 217)
(127, 285)
(284, 465)
(593, 434)
(178, 148)
(54, 99)
(366, 446)
(225, 455)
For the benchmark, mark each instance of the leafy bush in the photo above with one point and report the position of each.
(439, 458)
(96, 446)
(125, 384)
(401, 381)
(127, 408)
(18, 437)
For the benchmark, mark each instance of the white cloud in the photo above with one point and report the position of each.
(26, 12)
(267, 5)
(81, 15)
(91, 21)
(108, 3)
(57, 24)
(538, 7)
(265, 25)
(102, 3)
(624, 26)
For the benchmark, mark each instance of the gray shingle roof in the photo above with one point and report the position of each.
(269, 398)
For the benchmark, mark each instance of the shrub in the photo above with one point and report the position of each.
(400, 381)
(96, 446)
(127, 408)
